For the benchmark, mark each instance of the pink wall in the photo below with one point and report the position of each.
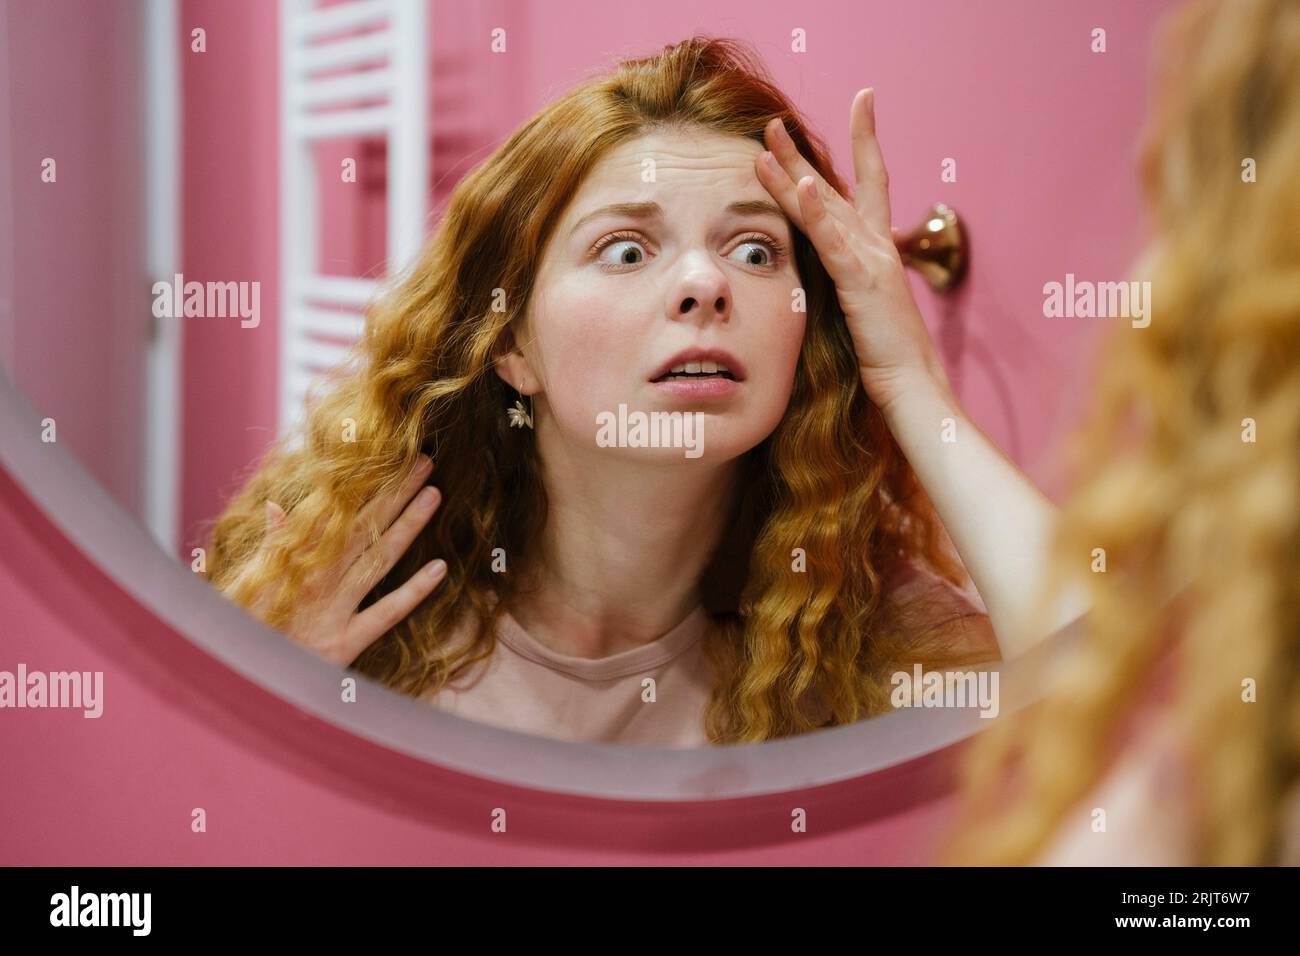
(229, 198)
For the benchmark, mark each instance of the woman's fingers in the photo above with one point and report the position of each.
(275, 518)
(375, 621)
(870, 204)
(824, 233)
(871, 192)
(803, 203)
(778, 182)
(789, 167)
(364, 573)
(380, 511)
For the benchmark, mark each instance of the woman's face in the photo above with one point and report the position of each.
(697, 256)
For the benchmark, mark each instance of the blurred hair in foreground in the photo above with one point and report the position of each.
(1167, 485)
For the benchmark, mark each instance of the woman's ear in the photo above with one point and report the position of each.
(514, 368)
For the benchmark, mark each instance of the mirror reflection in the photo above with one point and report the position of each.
(616, 418)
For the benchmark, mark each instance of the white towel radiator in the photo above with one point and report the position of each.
(388, 63)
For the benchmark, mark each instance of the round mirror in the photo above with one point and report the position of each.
(216, 225)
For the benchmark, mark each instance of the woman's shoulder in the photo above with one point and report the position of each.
(921, 601)
(912, 578)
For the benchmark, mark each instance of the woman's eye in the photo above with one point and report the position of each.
(618, 251)
(759, 252)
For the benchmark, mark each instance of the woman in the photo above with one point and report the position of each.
(1172, 734)
(765, 586)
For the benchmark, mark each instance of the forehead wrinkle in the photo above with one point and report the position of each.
(730, 161)
(670, 152)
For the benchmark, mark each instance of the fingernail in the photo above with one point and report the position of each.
(435, 569)
(426, 497)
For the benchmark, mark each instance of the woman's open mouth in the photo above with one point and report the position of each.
(690, 380)
(691, 371)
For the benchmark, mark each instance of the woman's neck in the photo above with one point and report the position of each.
(625, 545)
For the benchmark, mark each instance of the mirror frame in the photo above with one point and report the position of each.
(94, 523)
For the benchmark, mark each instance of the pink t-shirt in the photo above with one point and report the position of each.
(652, 695)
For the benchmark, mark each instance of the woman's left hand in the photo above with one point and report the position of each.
(855, 243)
(999, 521)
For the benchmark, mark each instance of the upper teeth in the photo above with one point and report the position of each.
(699, 367)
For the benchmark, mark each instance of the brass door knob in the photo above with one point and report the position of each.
(937, 248)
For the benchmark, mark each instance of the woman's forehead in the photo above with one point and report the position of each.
(682, 150)
(660, 167)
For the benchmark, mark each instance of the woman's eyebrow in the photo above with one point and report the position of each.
(652, 210)
(631, 210)
(756, 207)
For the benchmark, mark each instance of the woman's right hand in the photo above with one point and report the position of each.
(325, 618)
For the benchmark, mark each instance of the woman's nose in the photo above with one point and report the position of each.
(703, 294)
(691, 304)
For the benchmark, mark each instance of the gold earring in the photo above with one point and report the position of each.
(519, 416)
